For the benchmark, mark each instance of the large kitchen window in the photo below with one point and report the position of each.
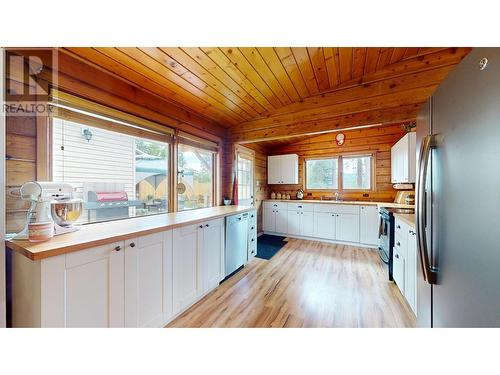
(322, 174)
(195, 177)
(339, 173)
(117, 175)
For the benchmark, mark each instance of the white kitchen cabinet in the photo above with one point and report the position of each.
(398, 269)
(148, 280)
(307, 223)
(94, 287)
(324, 225)
(198, 261)
(281, 221)
(300, 223)
(293, 218)
(186, 283)
(79, 289)
(283, 169)
(369, 221)
(268, 220)
(405, 262)
(347, 227)
(211, 249)
(403, 160)
(411, 274)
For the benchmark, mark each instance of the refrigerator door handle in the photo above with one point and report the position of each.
(429, 272)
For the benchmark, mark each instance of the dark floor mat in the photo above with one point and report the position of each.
(268, 245)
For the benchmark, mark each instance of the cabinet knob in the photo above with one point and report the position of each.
(132, 244)
(252, 228)
(118, 248)
(207, 225)
(396, 255)
(253, 239)
(398, 243)
(201, 226)
(399, 227)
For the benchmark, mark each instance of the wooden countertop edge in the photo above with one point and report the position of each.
(65, 249)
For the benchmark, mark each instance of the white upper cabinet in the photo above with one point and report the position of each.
(403, 164)
(283, 169)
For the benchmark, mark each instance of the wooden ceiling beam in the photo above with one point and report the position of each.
(335, 123)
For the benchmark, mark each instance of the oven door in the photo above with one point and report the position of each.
(383, 235)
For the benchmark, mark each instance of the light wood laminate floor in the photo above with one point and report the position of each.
(306, 284)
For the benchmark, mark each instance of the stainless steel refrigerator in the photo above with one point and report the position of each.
(458, 197)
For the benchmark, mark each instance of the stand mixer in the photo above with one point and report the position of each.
(51, 201)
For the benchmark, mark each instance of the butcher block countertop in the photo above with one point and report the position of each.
(97, 234)
(407, 218)
(360, 203)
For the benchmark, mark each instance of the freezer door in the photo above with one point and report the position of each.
(466, 194)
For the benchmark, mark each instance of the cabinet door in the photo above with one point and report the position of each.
(148, 280)
(398, 271)
(307, 224)
(269, 220)
(293, 223)
(394, 162)
(212, 253)
(411, 271)
(186, 285)
(347, 226)
(94, 293)
(273, 170)
(369, 222)
(324, 225)
(289, 166)
(281, 221)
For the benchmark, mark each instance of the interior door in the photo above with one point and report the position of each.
(245, 171)
(467, 158)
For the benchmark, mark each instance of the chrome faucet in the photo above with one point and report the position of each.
(337, 196)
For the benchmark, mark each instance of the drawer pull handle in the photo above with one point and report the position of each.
(118, 248)
(300, 206)
(132, 244)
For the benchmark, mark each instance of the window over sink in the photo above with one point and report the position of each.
(343, 172)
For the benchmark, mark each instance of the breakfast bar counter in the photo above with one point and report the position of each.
(97, 234)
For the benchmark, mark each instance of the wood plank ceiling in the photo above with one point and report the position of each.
(253, 89)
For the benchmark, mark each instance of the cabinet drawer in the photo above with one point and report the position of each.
(337, 208)
(272, 205)
(300, 207)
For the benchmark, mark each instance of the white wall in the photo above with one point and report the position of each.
(109, 158)
(2, 194)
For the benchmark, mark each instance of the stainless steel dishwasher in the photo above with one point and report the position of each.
(236, 242)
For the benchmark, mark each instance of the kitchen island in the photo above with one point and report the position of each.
(139, 272)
